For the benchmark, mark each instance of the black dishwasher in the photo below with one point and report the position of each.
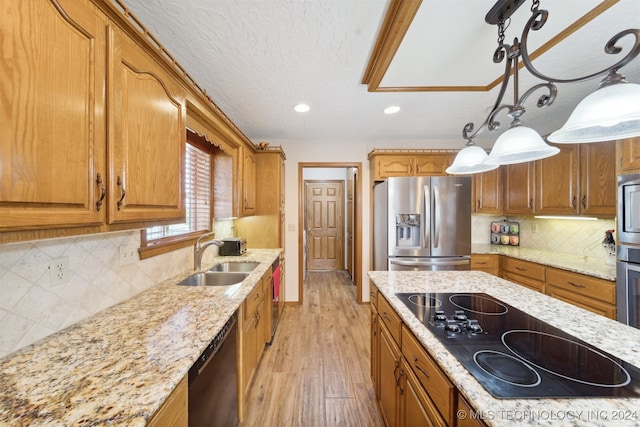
(213, 381)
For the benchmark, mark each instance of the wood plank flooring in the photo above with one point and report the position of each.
(316, 372)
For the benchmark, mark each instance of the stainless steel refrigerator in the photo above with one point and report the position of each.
(422, 223)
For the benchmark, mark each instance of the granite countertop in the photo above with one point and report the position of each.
(599, 331)
(580, 264)
(120, 365)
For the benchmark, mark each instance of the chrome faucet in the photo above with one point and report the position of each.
(198, 249)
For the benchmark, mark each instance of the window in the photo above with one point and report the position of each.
(197, 193)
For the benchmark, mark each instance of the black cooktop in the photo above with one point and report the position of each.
(515, 355)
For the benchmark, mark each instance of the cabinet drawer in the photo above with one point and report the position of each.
(373, 294)
(595, 306)
(527, 282)
(483, 261)
(434, 381)
(390, 319)
(589, 286)
(253, 300)
(524, 268)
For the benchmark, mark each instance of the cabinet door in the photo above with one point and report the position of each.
(488, 192)
(387, 166)
(248, 350)
(416, 409)
(598, 178)
(375, 350)
(519, 188)
(52, 124)
(147, 136)
(557, 182)
(630, 155)
(249, 182)
(389, 375)
(433, 164)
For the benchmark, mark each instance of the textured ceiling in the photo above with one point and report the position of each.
(258, 58)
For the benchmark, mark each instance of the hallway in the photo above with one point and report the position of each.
(316, 373)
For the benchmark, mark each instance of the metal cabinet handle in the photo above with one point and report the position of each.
(124, 192)
(573, 201)
(478, 208)
(395, 370)
(481, 262)
(577, 285)
(584, 201)
(386, 316)
(400, 382)
(103, 191)
(520, 268)
(418, 367)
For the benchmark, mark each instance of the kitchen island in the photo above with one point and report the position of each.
(608, 335)
(120, 365)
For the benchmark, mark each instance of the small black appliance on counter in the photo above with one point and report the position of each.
(233, 246)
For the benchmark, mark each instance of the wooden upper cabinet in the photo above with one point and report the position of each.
(519, 186)
(52, 124)
(488, 192)
(557, 182)
(249, 182)
(432, 164)
(387, 166)
(629, 155)
(598, 185)
(389, 163)
(147, 136)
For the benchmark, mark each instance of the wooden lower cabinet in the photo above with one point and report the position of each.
(255, 332)
(416, 409)
(174, 410)
(489, 263)
(591, 293)
(524, 273)
(466, 416)
(411, 390)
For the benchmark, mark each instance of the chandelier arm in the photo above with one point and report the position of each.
(545, 99)
(499, 54)
(537, 21)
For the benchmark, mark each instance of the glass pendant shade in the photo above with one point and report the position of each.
(611, 112)
(519, 144)
(470, 160)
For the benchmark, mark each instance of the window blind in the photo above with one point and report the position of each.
(197, 190)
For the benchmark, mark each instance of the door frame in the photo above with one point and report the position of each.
(357, 226)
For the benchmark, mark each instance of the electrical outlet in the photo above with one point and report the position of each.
(59, 273)
(128, 255)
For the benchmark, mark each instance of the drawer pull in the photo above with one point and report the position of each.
(520, 268)
(386, 317)
(257, 297)
(481, 262)
(577, 285)
(371, 294)
(396, 377)
(418, 367)
(400, 382)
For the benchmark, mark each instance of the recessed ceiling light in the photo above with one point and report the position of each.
(392, 109)
(302, 108)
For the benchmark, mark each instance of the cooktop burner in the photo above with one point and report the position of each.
(514, 355)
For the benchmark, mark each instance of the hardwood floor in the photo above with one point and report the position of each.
(316, 372)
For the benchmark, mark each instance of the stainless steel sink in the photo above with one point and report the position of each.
(214, 278)
(231, 266)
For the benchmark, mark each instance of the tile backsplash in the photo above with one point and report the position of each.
(30, 308)
(568, 236)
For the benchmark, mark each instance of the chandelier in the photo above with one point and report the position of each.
(611, 112)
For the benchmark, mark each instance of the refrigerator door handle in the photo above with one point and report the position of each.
(447, 261)
(436, 217)
(426, 217)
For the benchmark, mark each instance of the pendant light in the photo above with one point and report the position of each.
(471, 159)
(611, 112)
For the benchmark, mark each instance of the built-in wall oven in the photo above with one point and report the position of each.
(628, 250)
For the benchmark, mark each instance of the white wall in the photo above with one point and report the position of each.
(343, 151)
